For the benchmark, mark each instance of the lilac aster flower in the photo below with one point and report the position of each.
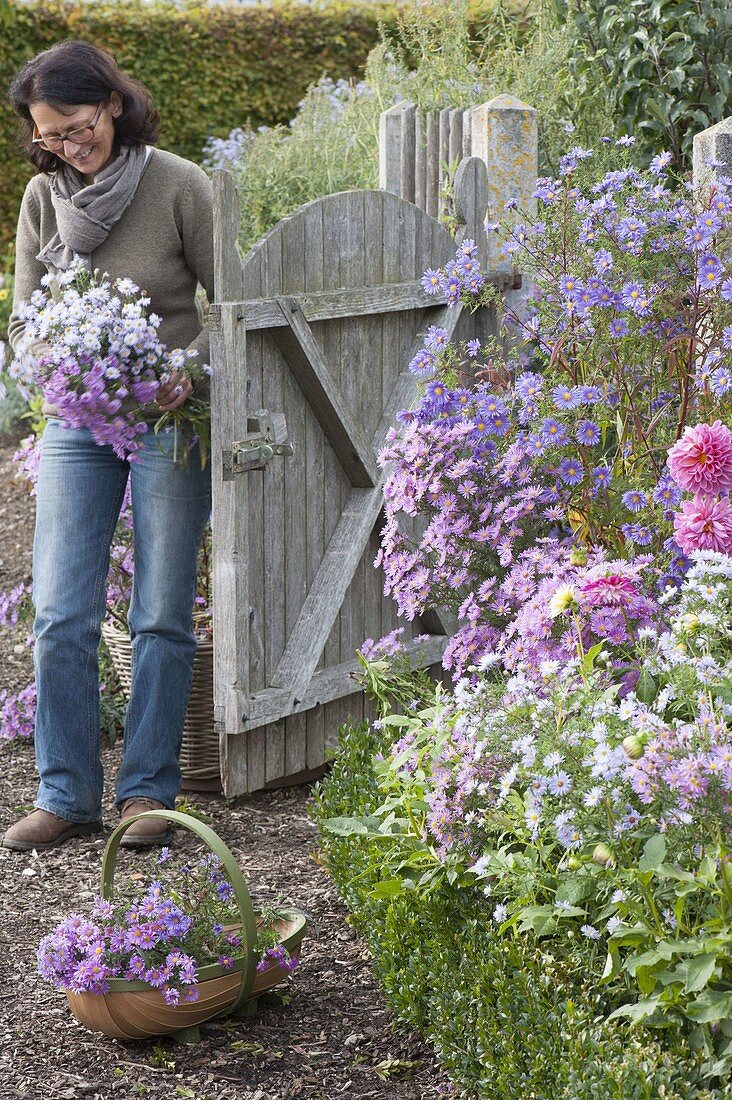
(588, 433)
(725, 290)
(590, 932)
(721, 381)
(709, 271)
(423, 364)
(553, 431)
(473, 347)
(433, 281)
(618, 327)
(436, 338)
(566, 397)
(560, 784)
(635, 500)
(570, 471)
(602, 477)
(528, 385)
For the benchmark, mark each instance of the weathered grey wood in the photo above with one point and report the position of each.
(444, 156)
(227, 258)
(456, 136)
(471, 202)
(326, 686)
(420, 159)
(712, 147)
(350, 242)
(432, 167)
(314, 278)
(406, 157)
(390, 147)
(230, 550)
(468, 133)
(305, 358)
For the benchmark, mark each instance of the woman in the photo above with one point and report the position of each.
(104, 193)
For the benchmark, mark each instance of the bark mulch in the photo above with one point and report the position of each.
(327, 1034)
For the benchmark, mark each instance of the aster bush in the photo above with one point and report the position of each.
(595, 819)
(158, 934)
(609, 409)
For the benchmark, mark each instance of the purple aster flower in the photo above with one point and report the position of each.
(473, 347)
(588, 433)
(436, 338)
(602, 477)
(566, 397)
(618, 327)
(528, 385)
(634, 500)
(553, 431)
(570, 471)
(423, 364)
(433, 281)
(636, 533)
(725, 291)
(721, 381)
(225, 890)
(560, 784)
(709, 271)
(602, 261)
(590, 932)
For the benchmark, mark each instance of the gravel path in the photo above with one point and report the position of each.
(328, 1035)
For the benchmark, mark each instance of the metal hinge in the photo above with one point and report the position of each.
(266, 437)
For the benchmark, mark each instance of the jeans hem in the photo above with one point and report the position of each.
(66, 816)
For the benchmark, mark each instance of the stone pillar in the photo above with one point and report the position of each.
(713, 144)
(505, 137)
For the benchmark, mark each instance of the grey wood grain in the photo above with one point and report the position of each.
(420, 159)
(320, 388)
(406, 190)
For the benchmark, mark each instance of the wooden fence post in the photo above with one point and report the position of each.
(712, 147)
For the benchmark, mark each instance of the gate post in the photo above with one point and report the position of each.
(712, 145)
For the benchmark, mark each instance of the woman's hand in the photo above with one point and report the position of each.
(174, 393)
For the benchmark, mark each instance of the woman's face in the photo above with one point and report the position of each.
(93, 154)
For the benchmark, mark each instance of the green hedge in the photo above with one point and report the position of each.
(506, 1019)
(209, 68)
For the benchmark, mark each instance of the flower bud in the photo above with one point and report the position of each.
(634, 746)
(603, 855)
(573, 863)
(578, 556)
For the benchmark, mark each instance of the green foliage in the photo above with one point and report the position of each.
(507, 1017)
(209, 67)
(665, 63)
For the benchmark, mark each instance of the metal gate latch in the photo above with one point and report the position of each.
(266, 437)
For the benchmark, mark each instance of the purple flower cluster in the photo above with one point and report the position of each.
(95, 352)
(277, 956)
(17, 713)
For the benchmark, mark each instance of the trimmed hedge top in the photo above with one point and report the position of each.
(209, 68)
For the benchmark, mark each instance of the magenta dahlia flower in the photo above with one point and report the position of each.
(610, 591)
(704, 523)
(701, 461)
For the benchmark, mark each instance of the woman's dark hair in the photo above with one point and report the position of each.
(74, 72)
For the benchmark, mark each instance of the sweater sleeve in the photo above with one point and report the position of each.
(197, 236)
(28, 270)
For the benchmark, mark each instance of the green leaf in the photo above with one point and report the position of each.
(353, 826)
(574, 889)
(389, 888)
(712, 1006)
(698, 972)
(639, 1011)
(654, 853)
(646, 688)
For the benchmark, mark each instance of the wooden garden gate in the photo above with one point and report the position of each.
(318, 322)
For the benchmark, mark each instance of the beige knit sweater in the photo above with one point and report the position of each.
(163, 242)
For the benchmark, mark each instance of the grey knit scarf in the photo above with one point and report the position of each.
(85, 213)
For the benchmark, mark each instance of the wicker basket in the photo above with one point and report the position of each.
(199, 753)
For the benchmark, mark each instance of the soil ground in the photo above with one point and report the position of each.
(328, 1034)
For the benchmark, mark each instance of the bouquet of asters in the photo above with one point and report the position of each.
(93, 349)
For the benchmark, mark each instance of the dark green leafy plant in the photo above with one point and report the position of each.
(666, 64)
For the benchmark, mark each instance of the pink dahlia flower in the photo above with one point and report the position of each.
(704, 523)
(610, 591)
(701, 461)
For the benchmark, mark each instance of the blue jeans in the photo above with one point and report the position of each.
(79, 495)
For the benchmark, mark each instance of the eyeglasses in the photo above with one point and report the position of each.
(55, 142)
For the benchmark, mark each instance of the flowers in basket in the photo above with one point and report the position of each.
(160, 935)
(94, 350)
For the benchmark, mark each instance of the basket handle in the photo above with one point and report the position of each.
(236, 878)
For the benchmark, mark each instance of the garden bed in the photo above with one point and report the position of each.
(329, 1034)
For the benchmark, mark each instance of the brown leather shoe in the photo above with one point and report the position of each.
(41, 830)
(148, 831)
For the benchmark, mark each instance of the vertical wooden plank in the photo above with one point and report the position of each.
(432, 167)
(296, 484)
(444, 156)
(335, 239)
(407, 152)
(314, 451)
(456, 135)
(420, 159)
(390, 148)
(356, 360)
(468, 132)
(229, 505)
